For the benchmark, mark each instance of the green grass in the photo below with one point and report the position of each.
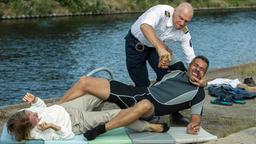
(31, 7)
(43, 7)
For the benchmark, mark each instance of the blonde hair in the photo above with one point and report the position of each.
(19, 125)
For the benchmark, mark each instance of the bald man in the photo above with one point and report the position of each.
(146, 42)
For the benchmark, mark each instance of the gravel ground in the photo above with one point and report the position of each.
(247, 136)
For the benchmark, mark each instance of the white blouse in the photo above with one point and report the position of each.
(55, 114)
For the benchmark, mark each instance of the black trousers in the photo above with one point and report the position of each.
(136, 61)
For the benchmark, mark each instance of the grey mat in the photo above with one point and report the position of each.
(174, 135)
(150, 138)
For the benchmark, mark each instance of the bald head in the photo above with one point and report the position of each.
(185, 8)
(182, 15)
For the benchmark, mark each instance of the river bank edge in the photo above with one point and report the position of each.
(197, 10)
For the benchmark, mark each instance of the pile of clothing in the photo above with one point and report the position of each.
(229, 91)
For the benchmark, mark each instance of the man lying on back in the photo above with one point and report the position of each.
(177, 90)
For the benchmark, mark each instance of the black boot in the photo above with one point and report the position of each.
(93, 133)
(179, 119)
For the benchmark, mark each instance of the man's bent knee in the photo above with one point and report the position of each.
(84, 79)
(144, 106)
(84, 82)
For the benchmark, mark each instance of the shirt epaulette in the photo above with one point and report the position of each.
(167, 13)
(185, 29)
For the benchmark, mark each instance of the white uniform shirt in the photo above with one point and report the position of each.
(55, 114)
(164, 29)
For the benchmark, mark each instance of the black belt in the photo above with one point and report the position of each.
(132, 36)
(139, 45)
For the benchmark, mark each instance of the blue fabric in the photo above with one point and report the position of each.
(229, 93)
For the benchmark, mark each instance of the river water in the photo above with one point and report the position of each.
(46, 56)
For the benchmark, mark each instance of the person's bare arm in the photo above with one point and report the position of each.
(161, 48)
(194, 125)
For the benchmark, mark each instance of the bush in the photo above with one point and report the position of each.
(1, 13)
(145, 4)
(4, 1)
(44, 7)
(71, 4)
(93, 6)
(32, 7)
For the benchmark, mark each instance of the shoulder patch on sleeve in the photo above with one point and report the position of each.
(185, 30)
(168, 14)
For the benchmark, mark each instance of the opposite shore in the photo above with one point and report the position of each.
(62, 8)
(197, 10)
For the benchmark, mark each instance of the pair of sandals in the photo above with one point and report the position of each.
(226, 101)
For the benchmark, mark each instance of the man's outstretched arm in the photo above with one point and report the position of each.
(161, 48)
(194, 125)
